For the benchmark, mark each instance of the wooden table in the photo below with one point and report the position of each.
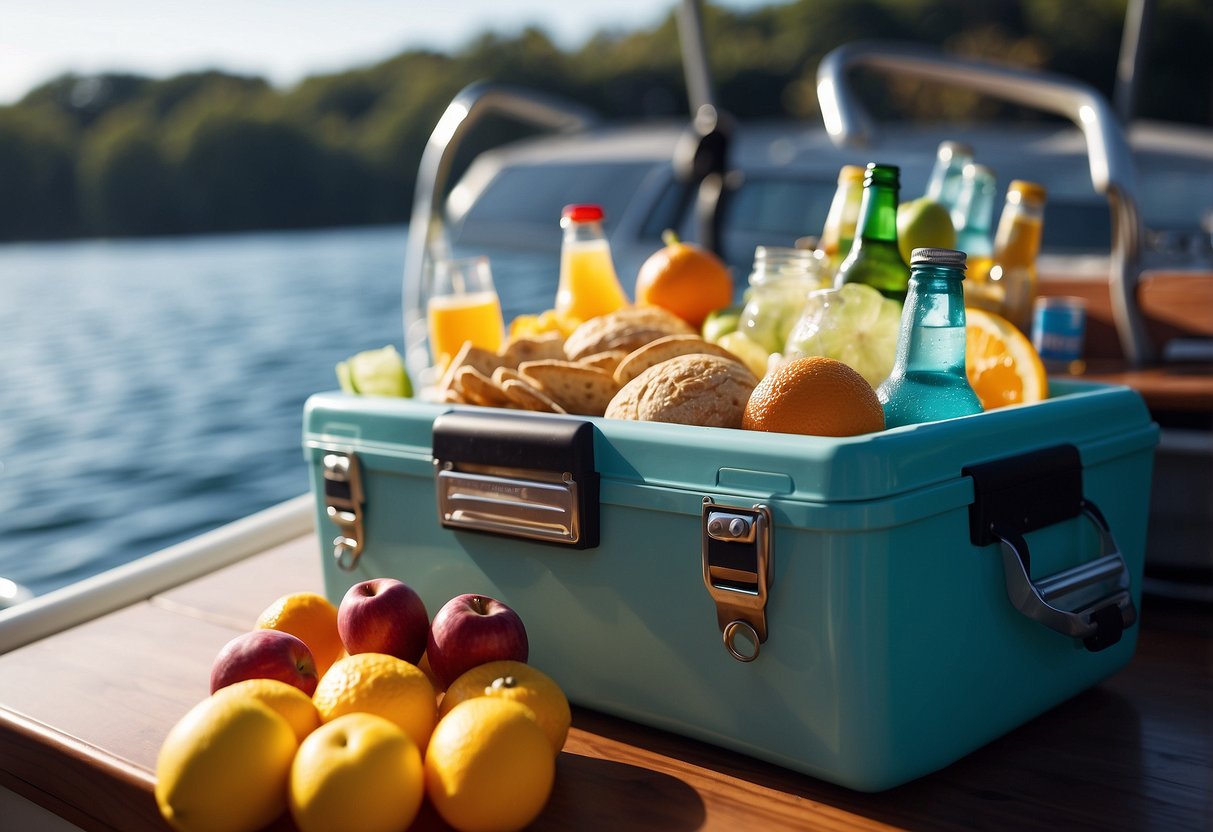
(82, 715)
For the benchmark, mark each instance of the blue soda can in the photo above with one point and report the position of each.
(1058, 327)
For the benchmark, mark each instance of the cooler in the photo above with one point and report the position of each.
(864, 610)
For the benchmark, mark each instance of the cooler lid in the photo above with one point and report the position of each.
(1099, 420)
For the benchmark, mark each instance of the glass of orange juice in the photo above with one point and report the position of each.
(462, 305)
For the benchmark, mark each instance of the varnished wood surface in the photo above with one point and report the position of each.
(1173, 305)
(82, 714)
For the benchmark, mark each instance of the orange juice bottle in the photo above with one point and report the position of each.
(1011, 279)
(588, 284)
(453, 319)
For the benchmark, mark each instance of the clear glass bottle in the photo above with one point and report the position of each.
(874, 258)
(974, 212)
(780, 283)
(589, 285)
(944, 183)
(928, 382)
(839, 229)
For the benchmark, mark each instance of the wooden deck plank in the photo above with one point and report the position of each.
(82, 715)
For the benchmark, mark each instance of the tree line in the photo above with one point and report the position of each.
(125, 155)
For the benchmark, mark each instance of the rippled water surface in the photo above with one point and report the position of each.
(152, 390)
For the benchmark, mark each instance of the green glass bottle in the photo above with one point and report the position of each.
(874, 258)
(928, 382)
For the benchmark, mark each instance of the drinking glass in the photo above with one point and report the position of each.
(462, 305)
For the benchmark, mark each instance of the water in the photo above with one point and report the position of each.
(153, 390)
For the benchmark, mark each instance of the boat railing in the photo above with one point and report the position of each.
(428, 238)
(1109, 157)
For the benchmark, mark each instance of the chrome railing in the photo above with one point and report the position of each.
(428, 239)
(1111, 163)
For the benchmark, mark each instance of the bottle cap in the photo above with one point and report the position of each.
(950, 149)
(1031, 190)
(850, 173)
(582, 213)
(937, 257)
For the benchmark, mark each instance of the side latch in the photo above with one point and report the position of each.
(343, 504)
(737, 570)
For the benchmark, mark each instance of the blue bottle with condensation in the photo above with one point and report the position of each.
(928, 381)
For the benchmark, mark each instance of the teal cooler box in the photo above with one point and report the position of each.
(865, 610)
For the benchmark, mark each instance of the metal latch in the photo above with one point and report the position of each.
(737, 570)
(343, 504)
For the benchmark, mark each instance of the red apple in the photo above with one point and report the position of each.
(265, 654)
(470, 630)
(384, 615)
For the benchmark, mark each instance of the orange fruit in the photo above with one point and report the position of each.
(1002, 365)
(292, 704)
(686, 280)
(489, 766)
(312, 619)
(358, 771)
(386, 686)
(814, 395)
(517, 682)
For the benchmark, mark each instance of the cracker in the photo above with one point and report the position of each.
(479, 388)
(663, 349)
(608, 360)
(575, 387)
(503, 374)
(532, 348)
(471, 356)
(527, 397)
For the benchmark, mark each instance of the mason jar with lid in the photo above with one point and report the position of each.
(780, 282)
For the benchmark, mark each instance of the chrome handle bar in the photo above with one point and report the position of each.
(1111, 163)
(427, 228)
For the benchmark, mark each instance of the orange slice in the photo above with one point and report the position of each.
(1002, 365)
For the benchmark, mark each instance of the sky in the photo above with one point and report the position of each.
(281, 40)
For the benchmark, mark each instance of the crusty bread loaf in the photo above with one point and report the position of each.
(695, 389)
(625, 329)
(663, 349)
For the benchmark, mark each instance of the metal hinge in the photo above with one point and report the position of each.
(737, 570)
(343, 504)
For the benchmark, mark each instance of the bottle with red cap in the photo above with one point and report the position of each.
(589, 285)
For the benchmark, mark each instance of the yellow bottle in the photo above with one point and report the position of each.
(1007, 283)
(589, 286)
(839, 230)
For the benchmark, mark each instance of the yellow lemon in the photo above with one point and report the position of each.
(517, 682)
(312, 619)
(386, 686)
(489, 766)
(358, 771)
(292, 704)
(224, 767)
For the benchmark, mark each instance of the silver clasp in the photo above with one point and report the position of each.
(737, 570)
(343, 504)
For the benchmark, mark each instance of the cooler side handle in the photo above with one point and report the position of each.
(1020, 494)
